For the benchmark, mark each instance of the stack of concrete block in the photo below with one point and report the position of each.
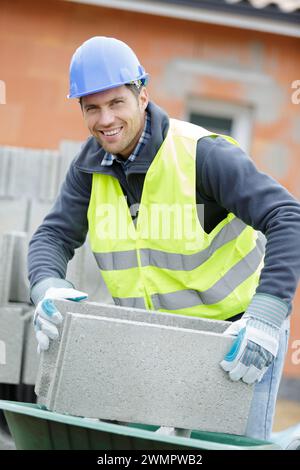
(18, 345)
(29, 183)
(15, 334)
(16, 330)
(11, 344)
(18, 348)
(38, 175)
(142, 367)
(14, 293)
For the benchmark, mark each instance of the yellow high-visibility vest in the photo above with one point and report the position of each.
(166, 261)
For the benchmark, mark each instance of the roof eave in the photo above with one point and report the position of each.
(202, 15)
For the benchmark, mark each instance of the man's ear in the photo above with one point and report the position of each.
(80, 104)
(143, 98)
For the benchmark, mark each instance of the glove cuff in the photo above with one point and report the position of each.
(268, 309)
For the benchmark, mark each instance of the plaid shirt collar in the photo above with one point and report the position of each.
(109, 157)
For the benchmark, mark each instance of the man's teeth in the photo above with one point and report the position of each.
(113, 132)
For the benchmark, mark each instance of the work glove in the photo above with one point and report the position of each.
(252, 352)
(46, 315)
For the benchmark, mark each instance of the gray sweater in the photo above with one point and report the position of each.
(226, 181)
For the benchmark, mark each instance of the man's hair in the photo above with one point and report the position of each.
(134, 87)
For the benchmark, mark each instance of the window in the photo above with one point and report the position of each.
(222, 118)
(213, 123)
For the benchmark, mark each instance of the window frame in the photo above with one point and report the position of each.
(241, 116)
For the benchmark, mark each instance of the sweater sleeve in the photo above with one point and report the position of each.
(63, 230)
(229, 177)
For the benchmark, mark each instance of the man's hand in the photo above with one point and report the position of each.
(252, 352)
(46, 315)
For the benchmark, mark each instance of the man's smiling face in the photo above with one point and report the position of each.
(116, 118)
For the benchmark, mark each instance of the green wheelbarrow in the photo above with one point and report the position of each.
(34, 428)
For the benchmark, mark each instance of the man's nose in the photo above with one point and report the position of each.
(105, 118)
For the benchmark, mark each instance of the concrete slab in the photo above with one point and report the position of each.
(139, 315)
(11, 344)
(149, 367)
(48, 360)
(148, 373)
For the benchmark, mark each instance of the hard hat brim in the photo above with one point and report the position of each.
(115, 85)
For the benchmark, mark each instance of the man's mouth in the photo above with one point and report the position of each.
(112, 132)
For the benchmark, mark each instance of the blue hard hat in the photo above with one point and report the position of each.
(101, 63)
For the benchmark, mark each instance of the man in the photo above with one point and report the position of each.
(209, 266)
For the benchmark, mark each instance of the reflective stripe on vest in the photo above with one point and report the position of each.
(132, 302)
(162, 259)
(117, 260)
(183, 270)
(219, 291)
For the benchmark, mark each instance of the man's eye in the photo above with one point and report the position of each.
(118, 102)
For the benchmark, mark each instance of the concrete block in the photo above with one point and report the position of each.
(48, 360)
(5, 164)
(19, 284)
(68, 150)
(6, 258)
(30, 355)
(14, 284)
(139, 315)
(13, 214)
(82, 270)
(37, 212)
(84, 273)
(49, 175)
(29, 173)
(147, 373)
(75, 270)
(137, 366)
(11, 344)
